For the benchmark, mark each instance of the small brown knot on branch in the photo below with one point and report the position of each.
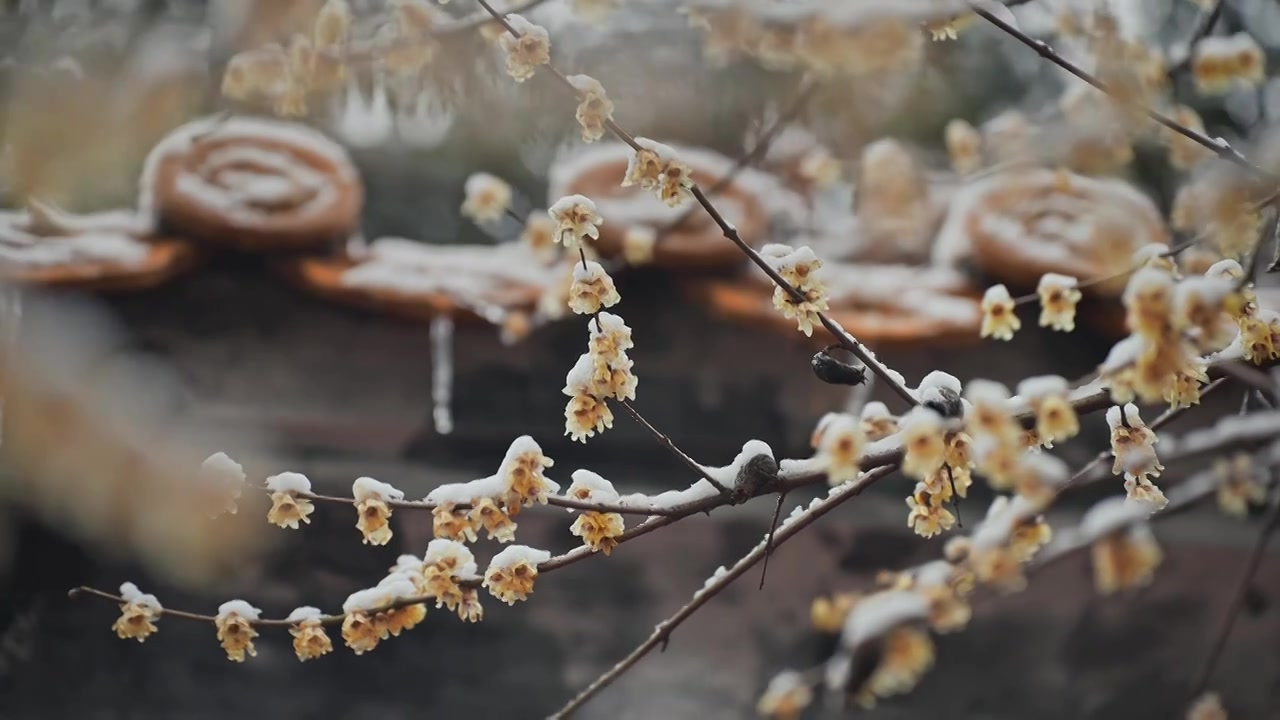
(756, 477)
(834, 371)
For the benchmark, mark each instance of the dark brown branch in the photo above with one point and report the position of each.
(1237, 598)
(664, 629)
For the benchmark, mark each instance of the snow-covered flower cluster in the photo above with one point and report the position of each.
(598, 530)
(999, 321)
(512, 572)
(592, 289)
(657, 167)
(373, 509)
(1220, 63)
(576, 218)
(839, 440)
(799, 267)
(234, 623)
(1177, 325)
(529, 48)
(288, 506)
(487, 198)
(601, 373)
(595, 109)
(138, 614)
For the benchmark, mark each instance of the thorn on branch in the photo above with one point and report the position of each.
(833, 371)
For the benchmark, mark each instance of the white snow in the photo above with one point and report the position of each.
(877, 614)
(238, 608)
(1112, 514)
(366, 488)
(289, 482)
(304, 613)
(727, 476)
(513, 555)
(1042, 386)
(468, 492)
(442, 549)
(132, 594)
(591, 487)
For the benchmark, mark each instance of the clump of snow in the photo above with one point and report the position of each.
(367, 599)
(1236, 428)
(408, 565)
(877, 614)
(443, 549)
(1228, 268)
(289, 482)
(934, 573)
(513, 555)
(239, 608)
(1113, 514)
(789, 467)
(784, 256)
(132, 594)
(671, 499)
(521, 446)
(1122, 354)
(727, 476)
(1131, 416)
(920, 418)
(1050, 469)
(1147, 280)
(986, 392)
(1004, 514)
(1034, 388)
(1056, 281)
(398, 586)
(366, 488)
(591, 487)
(304, 613)
(589, 272)
(715, 578)
(468, 492)
(875, 410)
(996, 294)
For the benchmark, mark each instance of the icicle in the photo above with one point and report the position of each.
(423, 124)
(365, 124)
(442, 373)
(10, 323)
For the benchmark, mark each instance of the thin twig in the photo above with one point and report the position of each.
(891, 378)
(1204, 25)
(664, 629)
(1219, 147)
(755, 154)
(475, 20)
(1238, 597)
(667, 443)
(768, 541)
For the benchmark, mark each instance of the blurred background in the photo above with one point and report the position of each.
(154, 336)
